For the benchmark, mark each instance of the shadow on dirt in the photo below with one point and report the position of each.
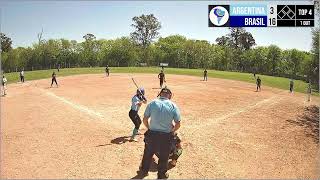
(309, 120)
(120, 140)
(101, 145)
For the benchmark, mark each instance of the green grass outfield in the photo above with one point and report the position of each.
(276, 82)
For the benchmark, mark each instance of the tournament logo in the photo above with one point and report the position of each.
(219, 16)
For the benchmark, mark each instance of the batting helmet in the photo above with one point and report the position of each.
(141, 90)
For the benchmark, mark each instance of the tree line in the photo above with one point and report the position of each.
(235, 51)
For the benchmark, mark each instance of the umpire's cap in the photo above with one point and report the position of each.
(165, 90)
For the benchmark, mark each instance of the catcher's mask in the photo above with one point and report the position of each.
(167, 91)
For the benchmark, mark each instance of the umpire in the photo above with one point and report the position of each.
(158, 137)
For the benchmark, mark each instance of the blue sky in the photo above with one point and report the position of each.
(109, 19)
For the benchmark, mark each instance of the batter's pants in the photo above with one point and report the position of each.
(135, 118)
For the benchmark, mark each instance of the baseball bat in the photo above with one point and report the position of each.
(134, 82)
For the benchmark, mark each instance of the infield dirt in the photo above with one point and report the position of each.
(82, 128)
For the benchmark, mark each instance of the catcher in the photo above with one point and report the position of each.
(175, 150)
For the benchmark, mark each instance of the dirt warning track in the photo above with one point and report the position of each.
(81, 129)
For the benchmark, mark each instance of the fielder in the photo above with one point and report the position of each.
(309, 91)
(54, 79)
(4, 85)
(162, 78)
(291, 85)
(137, 101)
(258, 84)
(22, 76)
(107, 71)
(205, 75)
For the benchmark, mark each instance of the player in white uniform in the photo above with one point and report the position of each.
(4, 85)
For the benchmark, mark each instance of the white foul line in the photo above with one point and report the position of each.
(245, 109)
(221, 118)
(76, 106)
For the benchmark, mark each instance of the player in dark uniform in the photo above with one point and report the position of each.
(205, 75)
(22, 76)
(107, 71)
(309, 91)
(258, 84)
(162, 78)
(291, 85)
(54, 79)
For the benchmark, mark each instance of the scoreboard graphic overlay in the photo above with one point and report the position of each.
(260, 15)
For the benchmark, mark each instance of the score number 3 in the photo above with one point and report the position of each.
(272, 21)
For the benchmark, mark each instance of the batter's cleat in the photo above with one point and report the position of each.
(163, 176)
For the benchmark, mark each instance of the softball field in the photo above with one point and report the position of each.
(82, 128)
